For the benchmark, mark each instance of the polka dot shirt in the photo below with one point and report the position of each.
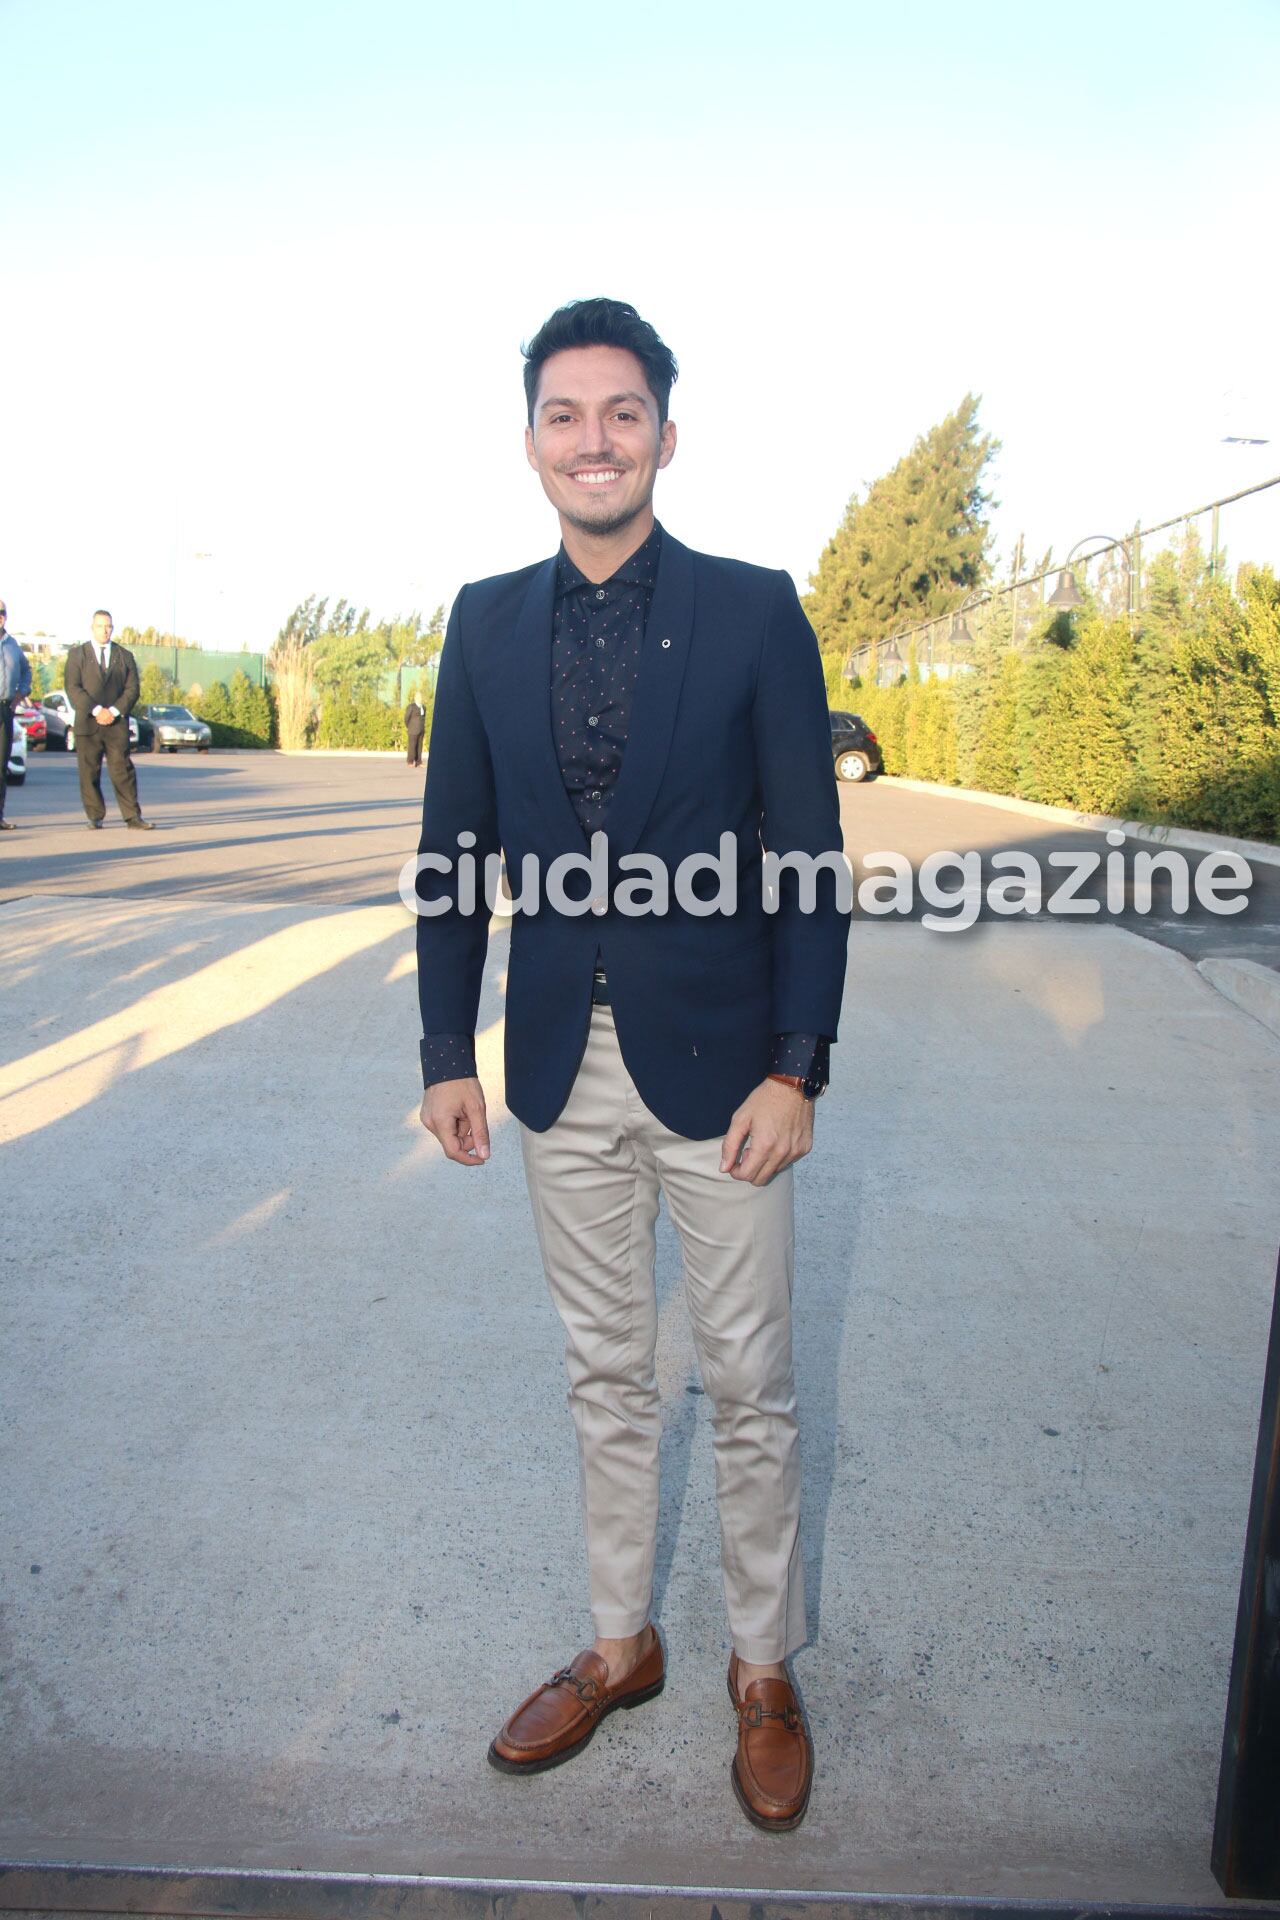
(596, 641)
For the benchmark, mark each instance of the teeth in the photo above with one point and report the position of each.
(598, 479)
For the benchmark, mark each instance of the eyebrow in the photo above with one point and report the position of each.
(612, 401)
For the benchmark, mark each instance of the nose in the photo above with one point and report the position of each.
(593, 436)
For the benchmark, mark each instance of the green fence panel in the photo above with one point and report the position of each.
(199, 667)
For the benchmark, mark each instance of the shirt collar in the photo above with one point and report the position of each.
(639, 570)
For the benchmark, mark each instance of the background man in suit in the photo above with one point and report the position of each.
(101, 680)
(15, 685)
(634, 688)
(415, 720)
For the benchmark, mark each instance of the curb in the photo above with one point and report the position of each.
(33, 1889)
(1258, 850)
(1253, 988)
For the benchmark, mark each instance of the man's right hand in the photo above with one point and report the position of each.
(454, 1111)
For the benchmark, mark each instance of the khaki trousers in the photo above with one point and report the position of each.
(594, 1179)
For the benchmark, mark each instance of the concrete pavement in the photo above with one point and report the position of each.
(288, 1513)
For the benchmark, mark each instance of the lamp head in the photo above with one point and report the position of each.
(1066, 596)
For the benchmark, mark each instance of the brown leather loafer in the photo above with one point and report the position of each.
(772, 1770)
(559, 1718)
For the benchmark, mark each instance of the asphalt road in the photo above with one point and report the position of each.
(288, 1492)
(271, 828)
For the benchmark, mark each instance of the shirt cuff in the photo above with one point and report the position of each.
(114, 712)
(805, 1054)
(447, 1056)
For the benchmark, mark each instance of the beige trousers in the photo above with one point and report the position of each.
(594, 1179)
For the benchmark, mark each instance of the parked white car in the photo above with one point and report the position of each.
(16, 771)
(60, 722)
(63, 730)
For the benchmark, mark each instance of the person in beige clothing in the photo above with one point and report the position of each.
(655, 705)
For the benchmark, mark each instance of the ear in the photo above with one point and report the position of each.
(666, 443)
(529, 452)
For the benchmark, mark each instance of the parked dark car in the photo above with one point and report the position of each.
(173, 727)
(856, 749)
(142, 733)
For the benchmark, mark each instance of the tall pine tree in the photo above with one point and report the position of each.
(915, 545)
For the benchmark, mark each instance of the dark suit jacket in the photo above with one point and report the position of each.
(729, 733)
(87, 688)
(415, 719)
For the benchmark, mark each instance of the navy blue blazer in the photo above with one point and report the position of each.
(729, 733)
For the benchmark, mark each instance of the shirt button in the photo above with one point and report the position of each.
(593, 719)
(600, 593)
(599, 643)
(594, 794)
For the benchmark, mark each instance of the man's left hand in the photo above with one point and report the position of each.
(103, 716)
(772, 1128)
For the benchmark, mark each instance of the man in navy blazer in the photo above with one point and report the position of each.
(641, 733)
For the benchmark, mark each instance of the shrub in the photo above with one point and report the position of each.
(156, 688)
(364, 722)
(1175, 720)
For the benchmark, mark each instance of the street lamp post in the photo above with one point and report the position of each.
(960, 634)
(890, 656)
(1066, 596)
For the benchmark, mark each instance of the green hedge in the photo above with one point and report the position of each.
(1175, 722)
(366, 722)
(239, 715)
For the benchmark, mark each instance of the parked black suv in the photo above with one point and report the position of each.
(856, 749)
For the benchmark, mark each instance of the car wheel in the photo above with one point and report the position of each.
(202, 749)
(15, 779)
(852, 766)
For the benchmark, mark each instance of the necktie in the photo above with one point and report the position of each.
(103, 657)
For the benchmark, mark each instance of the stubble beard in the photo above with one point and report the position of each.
(611, 522)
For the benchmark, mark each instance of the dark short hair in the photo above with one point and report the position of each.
(105, 614)
(601, 323)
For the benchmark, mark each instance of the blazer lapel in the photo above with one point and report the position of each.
(663, 659)
(530, 682)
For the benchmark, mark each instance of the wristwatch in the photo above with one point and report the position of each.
(811, 1088)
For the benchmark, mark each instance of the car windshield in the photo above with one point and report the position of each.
(171, 713)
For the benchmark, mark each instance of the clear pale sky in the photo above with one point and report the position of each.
(267, 269)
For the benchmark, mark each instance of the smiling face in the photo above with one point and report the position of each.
(596, 442)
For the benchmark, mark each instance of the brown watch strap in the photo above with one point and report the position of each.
(795, 1080)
